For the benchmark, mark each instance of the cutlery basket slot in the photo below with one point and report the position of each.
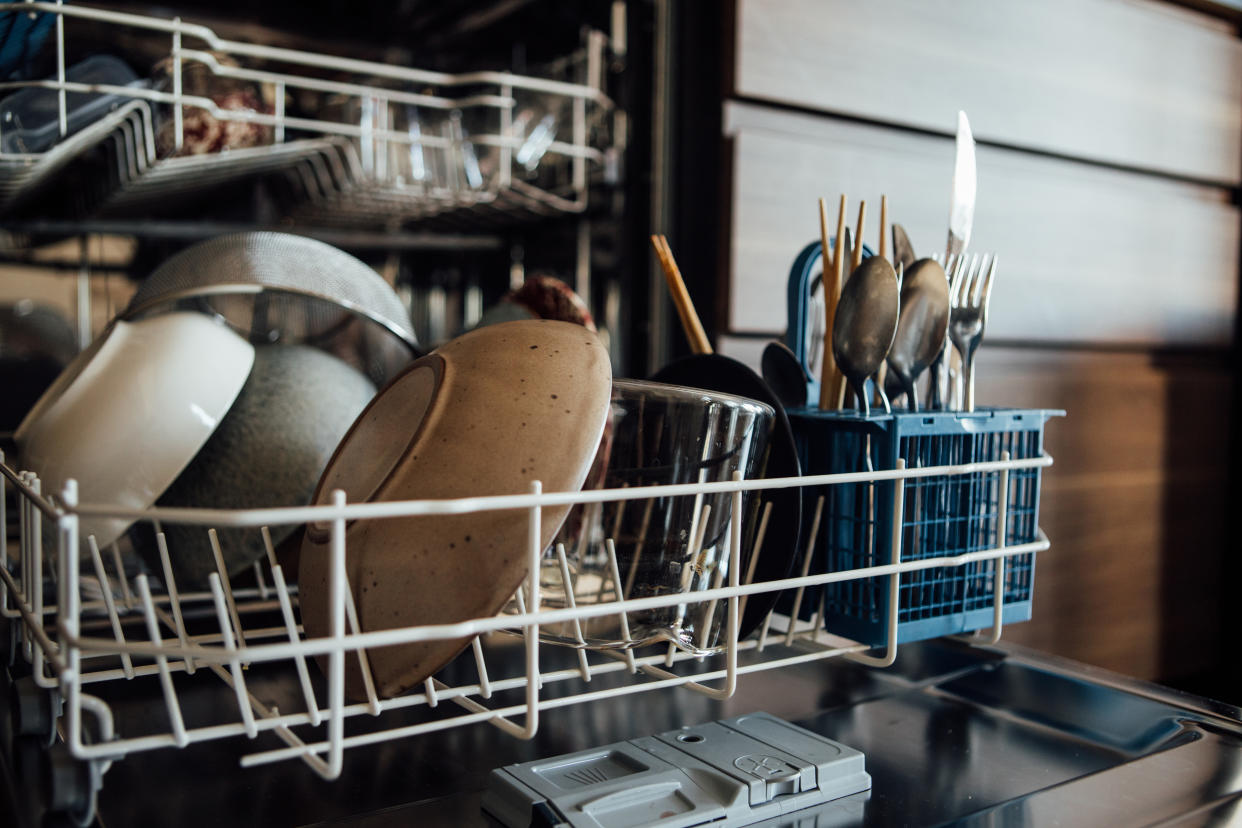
(942, 516)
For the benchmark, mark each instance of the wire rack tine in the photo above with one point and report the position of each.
(171, 704)
(126, 594)
(807, 556)
(364, 663)
(127, 664)
(698, 529)
(429, 688)
(567, 585)
(286, 610)
(239, 683)
(269, 549)
(709, 613)
(756, 550)
(170, 582)
(214, 539)
(763, 631)
(480, 663)
(615, 571)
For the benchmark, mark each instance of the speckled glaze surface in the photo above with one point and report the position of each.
(132, 410)
(269, 450)
(486, 414)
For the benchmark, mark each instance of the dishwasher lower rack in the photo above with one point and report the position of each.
(81, 621)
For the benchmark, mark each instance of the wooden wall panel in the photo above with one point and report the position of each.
(1126, 82)
(1136, 505)
(1087, 254)
(1096, 119)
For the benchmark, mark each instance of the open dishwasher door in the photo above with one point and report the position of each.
(953, 734)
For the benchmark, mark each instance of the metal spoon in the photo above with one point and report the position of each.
(921, 326)
(903, 250)
(865, 323)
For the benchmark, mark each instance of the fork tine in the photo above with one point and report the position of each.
(987, 285)
(970, 282)
(957, 271)
(985, 275)
(968, 277)
(981, 279)
(970, 292)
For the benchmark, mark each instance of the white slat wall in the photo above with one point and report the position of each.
(1132, 82)
(1107, 242)
(1087, 254)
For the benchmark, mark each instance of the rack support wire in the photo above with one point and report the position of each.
(232, 645)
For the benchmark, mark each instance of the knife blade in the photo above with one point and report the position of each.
(962, 203)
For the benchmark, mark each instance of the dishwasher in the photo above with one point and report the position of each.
(852, 674)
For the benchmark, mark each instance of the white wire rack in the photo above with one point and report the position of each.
(386, 142)
(128, 630)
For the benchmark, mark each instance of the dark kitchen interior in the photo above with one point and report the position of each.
(1108, 140)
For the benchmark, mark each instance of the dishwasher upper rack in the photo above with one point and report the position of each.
(84, 638)
(359, 188)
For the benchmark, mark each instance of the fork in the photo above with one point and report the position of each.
(969, 292)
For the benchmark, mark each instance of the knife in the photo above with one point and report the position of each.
(941, 380)
(962, 203)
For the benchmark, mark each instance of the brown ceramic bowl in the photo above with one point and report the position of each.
(486, 414)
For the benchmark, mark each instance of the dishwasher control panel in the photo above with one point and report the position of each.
(742, 771)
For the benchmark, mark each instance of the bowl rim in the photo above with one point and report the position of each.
(685, 393)
(58, 438)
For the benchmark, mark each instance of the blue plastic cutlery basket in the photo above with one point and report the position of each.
(943, 515)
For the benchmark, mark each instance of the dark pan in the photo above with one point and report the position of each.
(784, 374)
(777, 559)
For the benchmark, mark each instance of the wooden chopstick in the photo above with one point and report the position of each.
(883, 253)
(832, 381)
(690, 323)
(858, 235)
(831, 287)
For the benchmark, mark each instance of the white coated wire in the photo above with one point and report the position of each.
(74, 657)
(363, 199)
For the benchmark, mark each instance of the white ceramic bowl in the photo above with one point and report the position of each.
(132, 410)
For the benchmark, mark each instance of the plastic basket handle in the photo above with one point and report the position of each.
(798, 297)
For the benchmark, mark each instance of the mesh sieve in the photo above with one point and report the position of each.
(278, 287)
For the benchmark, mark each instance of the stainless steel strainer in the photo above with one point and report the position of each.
(278, 287)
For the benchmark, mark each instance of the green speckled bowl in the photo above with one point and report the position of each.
(269, 450)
